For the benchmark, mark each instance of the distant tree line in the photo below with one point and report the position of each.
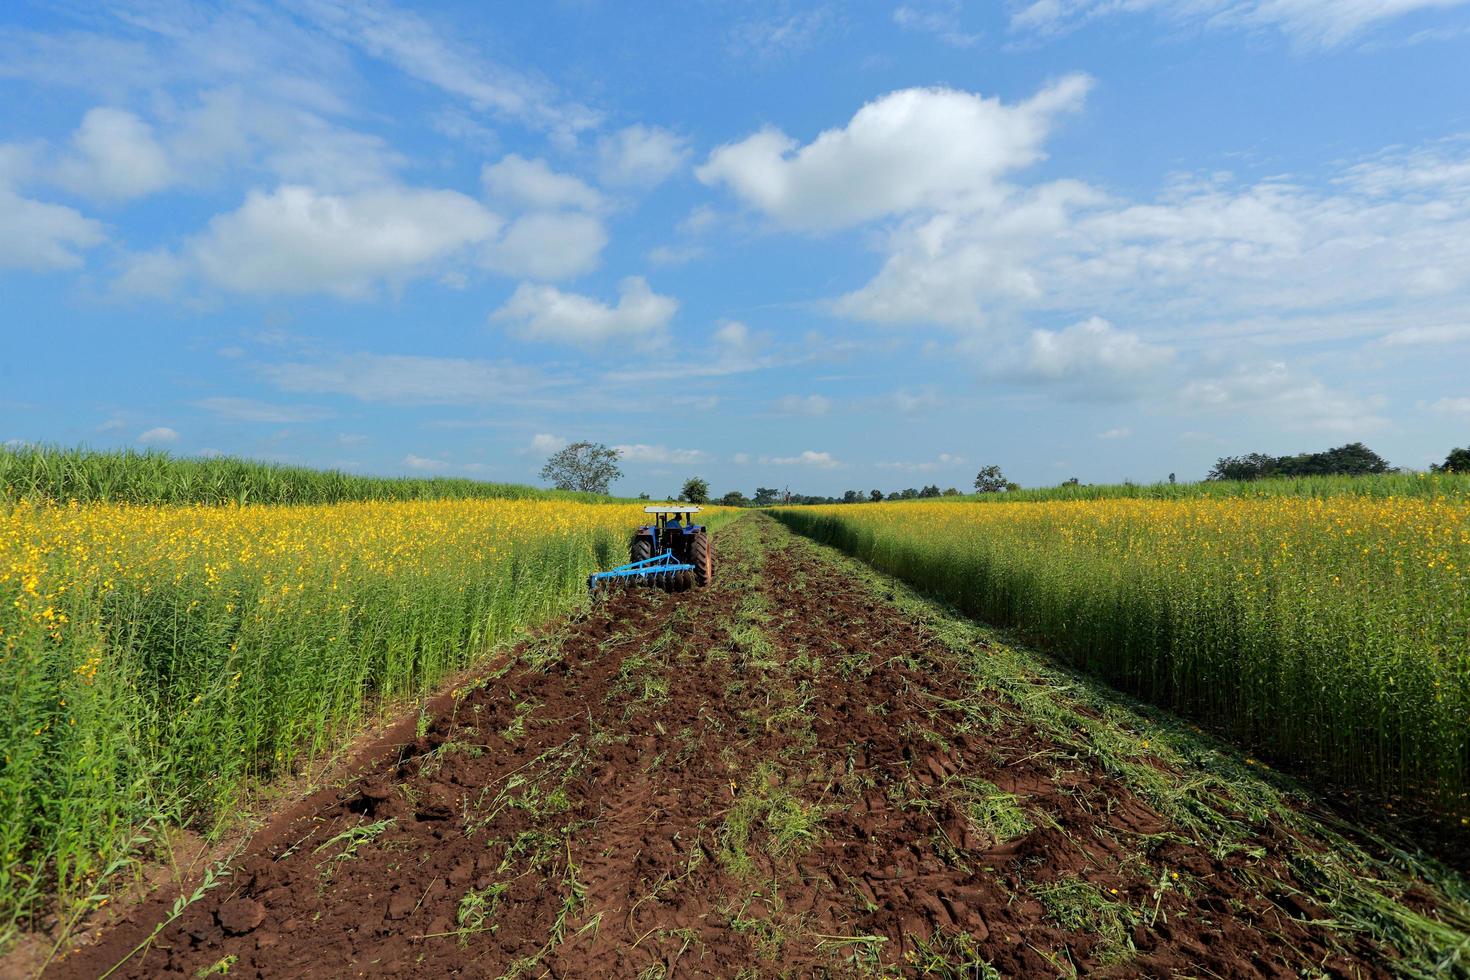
(591, 467)
(1352, 459)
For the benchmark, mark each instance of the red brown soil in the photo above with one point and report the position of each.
(613, 804)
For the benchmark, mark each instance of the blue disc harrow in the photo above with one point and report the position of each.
(661, 570)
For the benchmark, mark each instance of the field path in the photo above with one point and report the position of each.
(786, 773)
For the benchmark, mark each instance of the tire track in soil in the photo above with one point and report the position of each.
(781, 773)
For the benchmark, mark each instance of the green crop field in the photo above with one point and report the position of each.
(127, 476)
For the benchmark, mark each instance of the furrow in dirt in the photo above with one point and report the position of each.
(782, 773)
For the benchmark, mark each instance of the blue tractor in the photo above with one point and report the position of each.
(673, 552)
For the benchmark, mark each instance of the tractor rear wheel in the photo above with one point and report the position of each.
(640, 549)
(702, 557)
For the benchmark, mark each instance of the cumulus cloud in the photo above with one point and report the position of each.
(295, 239)
(160, 436)
(533, 184)
(641, 453)
(1311, 23)
(33, 234)
(558, 245)
(823, 461)
(547, 313)
(1289, 398)
(114, 156)
(733, 335)
(39, 236)
(1391, 232)
(424, 463)
(545, 442)
(914, 149)
(1121, 432)
(641, 155)
(1092, 355)
(560, 237)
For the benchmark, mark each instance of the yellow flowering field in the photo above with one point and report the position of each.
(153, 660)
(1333, 633)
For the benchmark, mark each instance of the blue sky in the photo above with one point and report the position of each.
(815, 245)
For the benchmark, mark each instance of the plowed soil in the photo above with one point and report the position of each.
(784, 773)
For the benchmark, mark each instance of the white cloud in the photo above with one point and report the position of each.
(114, 157)
(912, 402)
(33, 234)
(554, 245)
(533, 184)
(807, 458)
(1203, 250)
(250, 410)
(410, 43)
(804, 405)
(641, 155)
(953, 268)
(733, 335)
(545, 442)
(780, 34)
(351, 439)
(1121, 432)
(407, 379)
(943, 461)
(295, 239)
(938, 17)
(1287, 398)
(158, 274)
(39, 236)
(641, 453)
(160, 436)
(667, 255)
(1451, 406)
(423, 463)
(740, 459)
(700, 219)
(911, 150)
(1093, 355)
(1450, 333)
(546, 313)
(1314, 23)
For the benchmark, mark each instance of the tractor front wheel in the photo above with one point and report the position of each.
(640, 549)
(702, 557)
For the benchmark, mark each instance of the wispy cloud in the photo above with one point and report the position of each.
(250, 410)
(410, 379)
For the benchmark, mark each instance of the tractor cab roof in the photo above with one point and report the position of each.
(671, 509)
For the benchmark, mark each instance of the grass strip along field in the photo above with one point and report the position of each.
(804, 770)
(37, 473)
(1333, 632)
(156, 661)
